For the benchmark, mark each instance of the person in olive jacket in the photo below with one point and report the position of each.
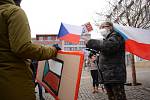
(111, 61)
(15, 50)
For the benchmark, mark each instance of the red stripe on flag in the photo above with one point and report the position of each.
(52, 80)
(139, 49)
(71, 38)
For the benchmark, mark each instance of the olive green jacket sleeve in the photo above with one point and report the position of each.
(20, 37)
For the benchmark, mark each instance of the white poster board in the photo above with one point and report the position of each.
(61, 76)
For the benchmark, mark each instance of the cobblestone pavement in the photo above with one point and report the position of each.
(85, 92)
(132, 92)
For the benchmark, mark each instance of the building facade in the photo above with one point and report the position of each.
(50, 39)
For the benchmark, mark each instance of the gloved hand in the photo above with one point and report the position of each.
(90, 43)
(56, 46)
(94, 44)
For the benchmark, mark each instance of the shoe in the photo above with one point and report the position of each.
(94, 92)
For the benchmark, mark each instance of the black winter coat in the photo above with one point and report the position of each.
(111, 59)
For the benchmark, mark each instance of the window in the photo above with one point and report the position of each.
(49, 37)
(40, 38)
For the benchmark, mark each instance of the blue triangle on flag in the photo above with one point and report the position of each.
(62, 31)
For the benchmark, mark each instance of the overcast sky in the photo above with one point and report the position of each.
(45, 16)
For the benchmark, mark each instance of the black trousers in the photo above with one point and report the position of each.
(94, 74)
(40, 89)
(115, 91)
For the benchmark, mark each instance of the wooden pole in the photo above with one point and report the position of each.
(134, 82)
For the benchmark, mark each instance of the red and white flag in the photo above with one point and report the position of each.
(70, 33)
(137, 40)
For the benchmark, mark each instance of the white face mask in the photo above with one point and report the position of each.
(104, 32)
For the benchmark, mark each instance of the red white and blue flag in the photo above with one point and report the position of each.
(70, 33)
(137, 40)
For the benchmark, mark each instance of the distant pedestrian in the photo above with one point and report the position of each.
(111, 61)
(34, 66)
(92, 66)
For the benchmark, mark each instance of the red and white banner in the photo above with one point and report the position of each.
(137, 40)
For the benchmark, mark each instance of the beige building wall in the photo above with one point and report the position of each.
(142, 64)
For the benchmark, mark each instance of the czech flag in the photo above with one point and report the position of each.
(70, 33)
(137, 40)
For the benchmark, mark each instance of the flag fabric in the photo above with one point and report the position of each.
(137, 40)
(87, 27)
(70, 33)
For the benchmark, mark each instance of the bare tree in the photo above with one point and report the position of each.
(134, 13)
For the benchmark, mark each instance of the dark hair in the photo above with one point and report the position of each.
(106, 23)
(17, 2)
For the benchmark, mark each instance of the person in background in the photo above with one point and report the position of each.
(111, 61)
(92, 66)
(16, 49)
(34, 66)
